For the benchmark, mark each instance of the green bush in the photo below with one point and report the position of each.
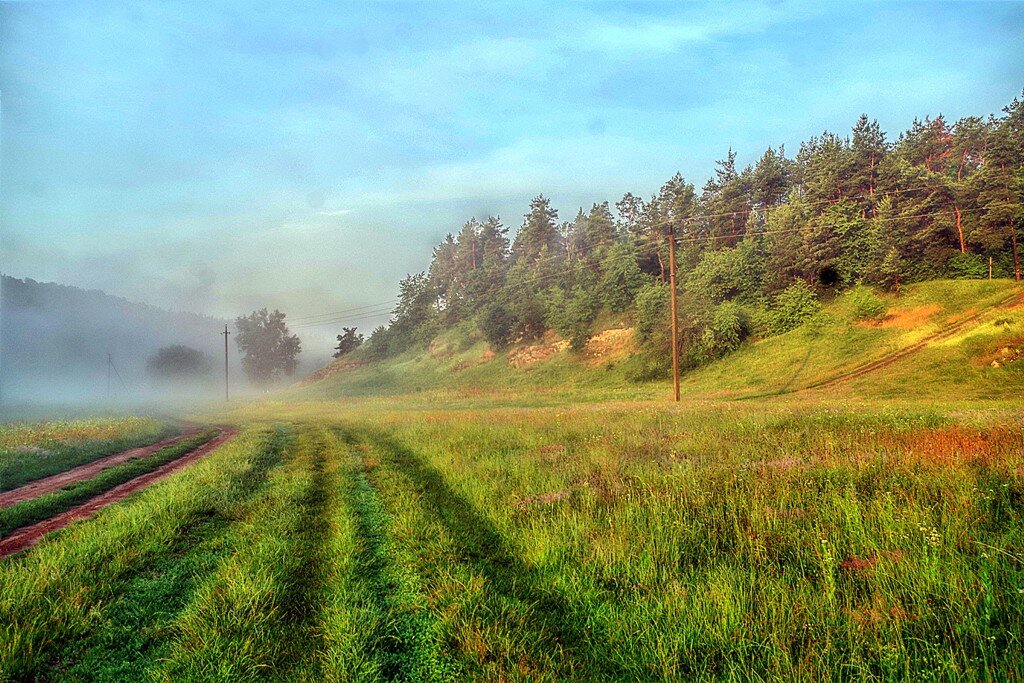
(652, 302)
(865, 304)
(498, 325)
(792, 307)
(968, 267)
(622, 278)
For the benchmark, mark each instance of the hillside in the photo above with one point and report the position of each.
(54, 340)
(933, 338)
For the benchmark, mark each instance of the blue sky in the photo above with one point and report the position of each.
(222, 156)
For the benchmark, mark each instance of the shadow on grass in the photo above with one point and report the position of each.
(303, 598)
(480, 544)
(785, 388)
(139, 607)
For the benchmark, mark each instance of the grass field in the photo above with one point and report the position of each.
(588, 531)
(51, 504)
(772, 540)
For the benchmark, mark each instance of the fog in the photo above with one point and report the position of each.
(64, 348)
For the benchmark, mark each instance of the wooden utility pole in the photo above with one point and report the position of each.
(225, 333)
(675, 310)
(110, 366)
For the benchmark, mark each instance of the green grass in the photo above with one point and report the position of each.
(772, 540)
(33, 451)
(533, 532)
(61, 604)
(52, 504)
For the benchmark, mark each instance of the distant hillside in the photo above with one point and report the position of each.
(930, 340)
(54, 341)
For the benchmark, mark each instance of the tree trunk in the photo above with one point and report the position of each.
(1016, 256)
(960, 229)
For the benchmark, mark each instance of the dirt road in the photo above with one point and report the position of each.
(30, 535)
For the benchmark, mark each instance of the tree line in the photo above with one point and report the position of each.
(756, 245)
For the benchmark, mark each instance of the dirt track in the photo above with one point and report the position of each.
(89, 470)
(945, 333)
(30, 535)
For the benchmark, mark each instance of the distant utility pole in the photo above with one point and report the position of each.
(111, 368)
(675, 310)
(225, 333)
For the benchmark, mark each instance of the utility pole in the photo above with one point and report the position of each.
(110, 366)
(675, 310)
(225, 333)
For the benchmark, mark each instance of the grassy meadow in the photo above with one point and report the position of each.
(782, 539)
(586, 529)
(33, 450)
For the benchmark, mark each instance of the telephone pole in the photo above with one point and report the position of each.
(110, 366)
(225, 333)
(675, 310)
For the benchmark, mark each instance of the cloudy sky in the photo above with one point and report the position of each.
(218, 157)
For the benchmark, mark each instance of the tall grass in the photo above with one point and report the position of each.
(801, 546)
(58, 592)
(764, 541)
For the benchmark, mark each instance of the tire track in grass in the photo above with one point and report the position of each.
(129, 611)
(134, 627)
(481, 545)
(305, 588)
(259, 614)
(406, 638)
(24, 524)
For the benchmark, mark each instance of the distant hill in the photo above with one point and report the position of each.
(54, 341)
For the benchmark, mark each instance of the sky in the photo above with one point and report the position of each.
(220, 157)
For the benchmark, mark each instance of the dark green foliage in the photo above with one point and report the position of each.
(652, 313)
(729, 327)
(348, 342)
(727, 273)
(792, 307)
(571, 313)
(622, 277)
(179, 362)
(498, 324)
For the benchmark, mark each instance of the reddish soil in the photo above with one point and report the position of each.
(30, 535)
(87, 471)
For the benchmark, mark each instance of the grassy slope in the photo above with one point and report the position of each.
(829, 345)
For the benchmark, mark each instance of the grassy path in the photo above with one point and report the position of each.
(520, 627)
(28, 454)
(112, 586)
(407, 632)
